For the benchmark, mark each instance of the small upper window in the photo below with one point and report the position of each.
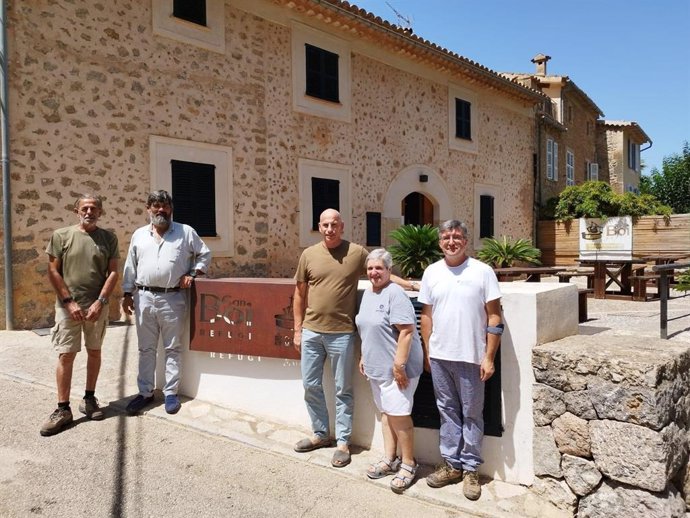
(322, 74)
(463, 119)
(191, 10)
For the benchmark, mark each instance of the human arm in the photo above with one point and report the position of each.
(402, 353)
(98, 305)
(200, 262)
(405, 283)
(58, 283)
(426, 325)
(128, 278)
(493, 341)
(299, 309)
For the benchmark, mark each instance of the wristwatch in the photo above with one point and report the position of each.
(102, 300)
(67, 300)
(192, 274)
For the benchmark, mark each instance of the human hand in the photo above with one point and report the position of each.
(427, 364)
(297, 340)
(94, 311)
(75, 311)
(400, 377)
(186, 281)
(486, 369)
(128, 305)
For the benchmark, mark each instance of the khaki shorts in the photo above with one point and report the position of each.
(66, 334)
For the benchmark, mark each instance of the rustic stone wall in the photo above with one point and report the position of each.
(612, 421)
(90, 83)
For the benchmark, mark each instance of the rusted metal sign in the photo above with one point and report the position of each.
(243, 316)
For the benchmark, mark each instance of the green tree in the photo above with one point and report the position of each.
(597, 200)
(671, 186)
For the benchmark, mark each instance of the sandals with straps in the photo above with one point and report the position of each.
(406, 481)
(383, 468)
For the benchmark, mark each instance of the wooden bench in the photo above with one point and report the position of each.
(639, 285)
(582, 294)
(569, 274)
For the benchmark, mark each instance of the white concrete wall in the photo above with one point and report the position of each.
(272, 388)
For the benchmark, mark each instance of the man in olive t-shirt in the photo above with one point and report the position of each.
(324, 306)
(82, 268)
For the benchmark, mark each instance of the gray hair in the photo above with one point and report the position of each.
(383, 255)
(88, 196)
(160, 196)
(453, 224)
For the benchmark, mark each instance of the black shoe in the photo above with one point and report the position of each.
(138, 404)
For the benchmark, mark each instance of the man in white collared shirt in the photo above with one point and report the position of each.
(164, 258)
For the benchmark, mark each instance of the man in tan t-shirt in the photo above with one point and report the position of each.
(324, 306)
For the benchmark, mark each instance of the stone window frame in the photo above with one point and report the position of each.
(309, 169)
(210, 37)
(569, 168)
(164, 149)
(302, 35)
(470, 145)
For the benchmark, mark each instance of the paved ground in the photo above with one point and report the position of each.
(211, 461)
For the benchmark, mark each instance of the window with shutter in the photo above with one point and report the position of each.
(463, 120)
(322, 73)
(191, 10)
(325, 194)
(373, 229)
(486, 216)
(194, 195)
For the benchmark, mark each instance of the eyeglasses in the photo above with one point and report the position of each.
(455, 237)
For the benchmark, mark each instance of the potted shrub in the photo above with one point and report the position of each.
(416, 248)
(504, 252)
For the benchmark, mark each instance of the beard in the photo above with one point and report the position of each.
(160, 220)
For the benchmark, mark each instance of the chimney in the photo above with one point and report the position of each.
(540, 60)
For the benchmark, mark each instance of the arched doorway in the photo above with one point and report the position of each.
(417, 209)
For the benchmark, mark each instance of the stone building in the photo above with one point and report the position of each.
(256, 114)
(620, 143)
(573, 144)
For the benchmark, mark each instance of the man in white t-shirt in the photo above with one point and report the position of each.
(461, 328)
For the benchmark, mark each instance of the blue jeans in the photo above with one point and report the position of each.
(339, 347)
(164, 315)
(459, 394)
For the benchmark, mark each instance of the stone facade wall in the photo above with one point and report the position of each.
(612, 422)
(580, 138)
(90, 83)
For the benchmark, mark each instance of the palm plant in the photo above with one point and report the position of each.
(416, 248)
(504, 252)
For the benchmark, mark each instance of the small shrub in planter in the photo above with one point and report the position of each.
(504, 252)
(416, 248)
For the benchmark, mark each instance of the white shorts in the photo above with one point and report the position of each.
(390, 399)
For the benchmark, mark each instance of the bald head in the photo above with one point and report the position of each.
(331, 227)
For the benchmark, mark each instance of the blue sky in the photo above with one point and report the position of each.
(632, 57)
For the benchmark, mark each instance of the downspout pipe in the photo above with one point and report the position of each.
(6, 201)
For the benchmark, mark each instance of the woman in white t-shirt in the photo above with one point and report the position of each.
(392, 360)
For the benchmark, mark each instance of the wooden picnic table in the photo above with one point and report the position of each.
(664, 258)
(533, 273)
(612, 271)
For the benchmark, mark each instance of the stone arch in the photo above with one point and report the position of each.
(407, 181)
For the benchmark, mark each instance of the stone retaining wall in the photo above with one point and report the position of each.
(611, 425)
